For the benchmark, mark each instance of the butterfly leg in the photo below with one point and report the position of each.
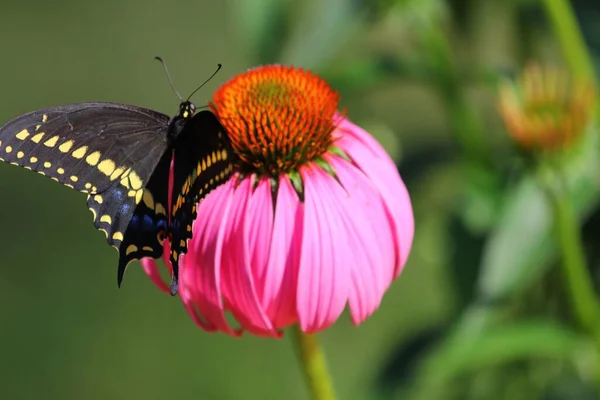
(175, 279)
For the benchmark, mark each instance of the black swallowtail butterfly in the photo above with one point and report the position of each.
(120, 155)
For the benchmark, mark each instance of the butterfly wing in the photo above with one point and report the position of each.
(86, 146)
(135, 222)
(203, 160)
(116, 153)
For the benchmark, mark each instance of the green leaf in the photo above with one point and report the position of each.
(262, 26)
(521, 340)
(322, 28)
(523, 244)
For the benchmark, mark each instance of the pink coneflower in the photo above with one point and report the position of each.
(315, 218)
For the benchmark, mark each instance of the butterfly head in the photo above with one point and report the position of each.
(186, 109)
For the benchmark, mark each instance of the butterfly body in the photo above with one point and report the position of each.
(121, 156)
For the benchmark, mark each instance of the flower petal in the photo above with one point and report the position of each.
(372, 159)
(239, 284)
(323, 276)
(200, 287)
(151, 269)
(279, 293)
(370, 239)
(258, 228)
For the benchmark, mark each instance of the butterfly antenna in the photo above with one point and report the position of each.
(205, 82)
(169, 77)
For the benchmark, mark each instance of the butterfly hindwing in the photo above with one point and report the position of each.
(203, 160)
(86, 146)
(136, 224)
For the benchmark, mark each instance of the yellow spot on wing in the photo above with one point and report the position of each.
(224, 154)
(107, 167)
(66, 146)
(74, 178)
(44, 117)
(88, 185)
(8, 149)
(148, 199)
(118, 172)
(52, 141)
(160, 209)
(138, 196)
(93, 212)
(23, 134)
(131, 249)
(106, 218)
(148, 248)
(182, 243)
(98, 199)
(93, 158)
(80, 152)
(38, 137)
(47, 164)
(60, 171)
(117, 236)
(33, 159)
(214, 157)
(134, 179)
(20, 154)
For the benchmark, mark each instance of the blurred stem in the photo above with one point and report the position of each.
(566, 30)
(579, 283)
(314, 365)
(466, 127)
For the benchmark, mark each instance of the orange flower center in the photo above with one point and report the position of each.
(277, 117)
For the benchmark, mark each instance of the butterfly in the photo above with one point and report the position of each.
(120, 156)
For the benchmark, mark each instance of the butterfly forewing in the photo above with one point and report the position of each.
(203, 160)
(86, 146)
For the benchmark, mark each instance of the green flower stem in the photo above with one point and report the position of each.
(313, 364)
(466, 126)
(566, 30)
(579, 283)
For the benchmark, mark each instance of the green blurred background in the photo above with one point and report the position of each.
(421, 76)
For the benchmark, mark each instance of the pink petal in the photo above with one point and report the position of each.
(238, 280)
(372, 159)
(370, 239)
(151, 269)
(323, 276)
(201, 268)
(279, 293)
(258, 228)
